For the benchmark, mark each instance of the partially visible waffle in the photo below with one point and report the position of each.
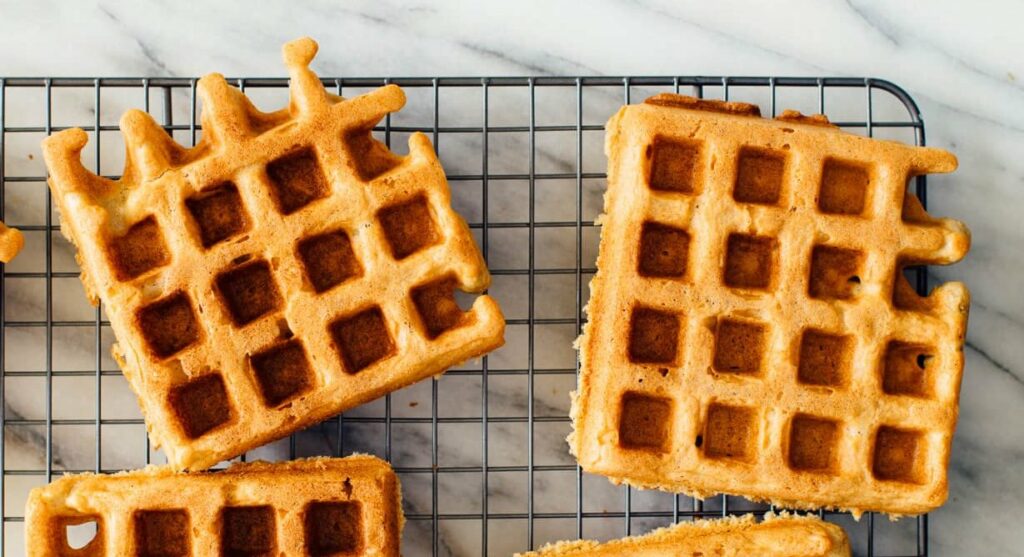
(751, 330)
(11, 242)
(285, 269)
(777, 536)
(322, 506)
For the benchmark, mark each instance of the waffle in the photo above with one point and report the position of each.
(285, 269)
(11, 242)
(778, 536)
(322, 506)
(751, 330)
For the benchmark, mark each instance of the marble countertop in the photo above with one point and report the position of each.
(962, 64)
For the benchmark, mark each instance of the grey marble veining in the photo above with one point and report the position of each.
(960, 62)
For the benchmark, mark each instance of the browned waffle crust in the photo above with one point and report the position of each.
(11, 242)
(750, 328)
(286, 268)
(778, 536)
(322, 506)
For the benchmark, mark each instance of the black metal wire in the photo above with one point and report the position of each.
(579, 278)
(49, 301)
(531, 339)
(435, 523)
(99, 307)
(3, 319)
(485, 244)
(580, 87)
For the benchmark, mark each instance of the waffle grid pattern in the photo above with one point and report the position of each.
(746, 290)
(257, 286)
(307, 508)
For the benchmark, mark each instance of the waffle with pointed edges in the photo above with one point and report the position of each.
(285, 269)
(751, 330)
(322, 506)
(780, 535)
(11, 242)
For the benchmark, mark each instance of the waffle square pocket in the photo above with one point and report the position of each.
(751, 330)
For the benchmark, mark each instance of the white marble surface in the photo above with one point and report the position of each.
(960, 61)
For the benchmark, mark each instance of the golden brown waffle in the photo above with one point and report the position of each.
(286, 268)
(750, 328)
(778, 536)
(323, 506)
(11, 242)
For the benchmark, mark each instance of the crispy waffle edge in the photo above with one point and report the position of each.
(740, 526)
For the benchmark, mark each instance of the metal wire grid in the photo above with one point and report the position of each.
(580, 87)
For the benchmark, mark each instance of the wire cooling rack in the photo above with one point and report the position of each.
(480, 452)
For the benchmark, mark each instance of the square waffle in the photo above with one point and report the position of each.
(778, 536)
(285, 269)
(751, 331)
(322, 506)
